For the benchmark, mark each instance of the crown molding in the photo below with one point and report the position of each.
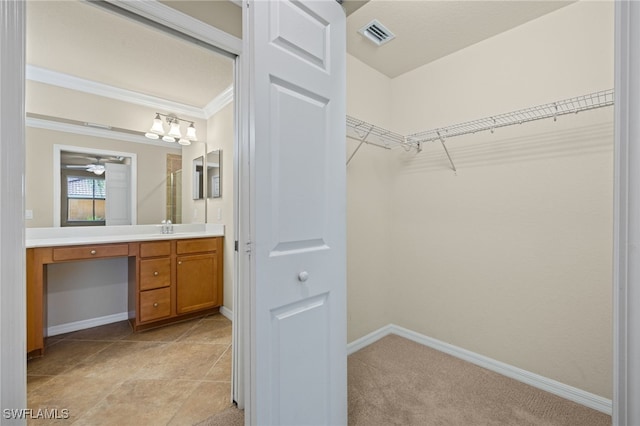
(85, 130)
(219, 102)
(54, 78)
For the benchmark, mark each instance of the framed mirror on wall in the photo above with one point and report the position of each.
(198, 178)
(214, 174)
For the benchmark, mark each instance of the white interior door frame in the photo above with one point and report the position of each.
(626, 283)
(13, 324)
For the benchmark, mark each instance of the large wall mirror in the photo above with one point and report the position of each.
(94, 95)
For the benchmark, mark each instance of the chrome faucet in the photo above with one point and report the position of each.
(167, 227)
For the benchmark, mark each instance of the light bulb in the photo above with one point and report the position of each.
(168, 139)
(184, 141)
(152, 135)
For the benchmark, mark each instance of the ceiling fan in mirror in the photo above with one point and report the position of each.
(96, 165)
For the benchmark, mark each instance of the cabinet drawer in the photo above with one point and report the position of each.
(155, 273)
(196, 245)
(155, 304)
(90, 252)
(154, 249)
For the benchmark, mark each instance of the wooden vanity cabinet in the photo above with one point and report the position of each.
(175, 280)
(169, 280)
(154, 281)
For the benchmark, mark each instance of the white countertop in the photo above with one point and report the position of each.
(68, 236)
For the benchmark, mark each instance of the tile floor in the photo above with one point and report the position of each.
(179, 374)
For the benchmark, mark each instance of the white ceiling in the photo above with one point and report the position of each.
(86, 41)
(427, 30)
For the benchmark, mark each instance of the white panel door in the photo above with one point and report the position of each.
(298, 212)
(118, 193)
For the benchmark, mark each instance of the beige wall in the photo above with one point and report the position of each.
(221, 136)
(221, 14)
(511, 256)
(369, 272)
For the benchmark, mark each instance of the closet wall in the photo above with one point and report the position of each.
(511, 257)
(369, 221)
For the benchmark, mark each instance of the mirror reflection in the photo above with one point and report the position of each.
(90, 95)
(198, 178)
(214, 174)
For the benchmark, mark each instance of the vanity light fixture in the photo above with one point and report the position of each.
(157, 130)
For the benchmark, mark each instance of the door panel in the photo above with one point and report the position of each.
(301, 356)
(298, 163)
(298, 210)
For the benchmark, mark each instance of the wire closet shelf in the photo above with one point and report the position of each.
(372, 134)
(550, 110)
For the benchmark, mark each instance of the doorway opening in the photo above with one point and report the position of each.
(125, 91)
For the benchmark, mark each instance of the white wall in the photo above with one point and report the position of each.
(511, 256)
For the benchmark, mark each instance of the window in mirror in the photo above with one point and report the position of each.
(214, 168)
(83, 199)
(93, 187)
(198, 178)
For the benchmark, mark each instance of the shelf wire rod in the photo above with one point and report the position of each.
(551, 110)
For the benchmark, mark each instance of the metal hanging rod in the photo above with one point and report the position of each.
(550, 110)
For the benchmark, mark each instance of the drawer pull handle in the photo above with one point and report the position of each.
(92, 252)
(180, 263)
(155, 274)
(155, 305)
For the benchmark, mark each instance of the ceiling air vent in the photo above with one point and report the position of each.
(377, 33)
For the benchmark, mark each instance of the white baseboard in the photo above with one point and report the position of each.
(88, 323)
(95, 322)
(571, 393)
(226, 312)
(370, 338)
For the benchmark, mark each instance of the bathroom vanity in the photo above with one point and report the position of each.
(171, 277)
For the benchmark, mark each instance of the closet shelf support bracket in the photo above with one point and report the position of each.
(453, 166)
(362, 140)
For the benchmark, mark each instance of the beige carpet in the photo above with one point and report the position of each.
(398, 382)
(229, 417)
